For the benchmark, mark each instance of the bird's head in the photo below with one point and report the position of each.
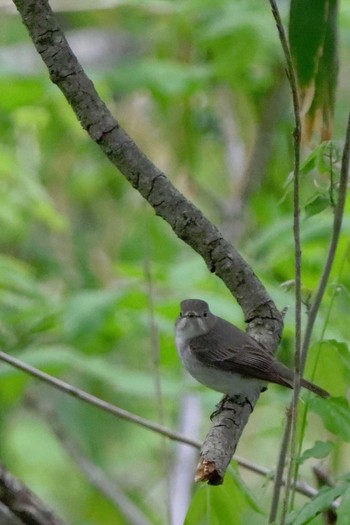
(195, 319)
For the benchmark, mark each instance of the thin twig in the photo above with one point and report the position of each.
(278, 480)
(290, 426)
(337, 222)
(301, 355)
(97, 402)
(303, 488)
(321, 340)
(302, 349)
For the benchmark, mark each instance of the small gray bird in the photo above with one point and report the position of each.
(223, 358)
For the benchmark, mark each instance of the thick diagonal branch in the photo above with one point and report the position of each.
(188, 223)
(186, 220)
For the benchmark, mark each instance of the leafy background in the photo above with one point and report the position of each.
(90, 279)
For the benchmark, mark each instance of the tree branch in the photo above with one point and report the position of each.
(292, 414)
(337, 222)
(95, 401)
(187, 222)
(303, 488)
(23, 503)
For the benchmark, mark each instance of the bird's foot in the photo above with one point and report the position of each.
(235, 399)
(241, 401)
(219, 407)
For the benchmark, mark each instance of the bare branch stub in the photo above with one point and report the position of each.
(222, 439)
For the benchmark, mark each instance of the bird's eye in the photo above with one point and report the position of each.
(205, 314)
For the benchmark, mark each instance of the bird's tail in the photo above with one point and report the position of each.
(314, 388)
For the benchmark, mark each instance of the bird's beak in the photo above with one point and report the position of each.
(190, 315)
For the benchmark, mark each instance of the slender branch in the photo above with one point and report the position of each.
(316, 303)
(303, 488)
(321, 339)
(298, 301)
(337, 222)
(290, 426)
(96, 401)
(279, 481)
(302, 349)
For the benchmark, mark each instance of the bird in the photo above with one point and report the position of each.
(224, 358)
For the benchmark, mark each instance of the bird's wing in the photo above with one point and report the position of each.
(243, 355)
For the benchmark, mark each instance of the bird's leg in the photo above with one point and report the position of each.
(240, 401)
(235, 399)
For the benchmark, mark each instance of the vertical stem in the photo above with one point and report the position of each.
(305, 408)
(279, 482)
(290, 428)
(337, 221)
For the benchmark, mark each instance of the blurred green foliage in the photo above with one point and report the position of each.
(83, 258)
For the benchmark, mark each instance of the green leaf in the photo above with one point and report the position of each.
(343, 512)
(86, 311)
(227, 503)
(330, 359)
(317, 203)
(347, 252)
(162, 77)
(321, 449)
(306, 36)
(329, 155)
(318, 504)
(248, 495)
(309, 163)
(17, 276)
(335, 414)
(313, 44)
(23, 91)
